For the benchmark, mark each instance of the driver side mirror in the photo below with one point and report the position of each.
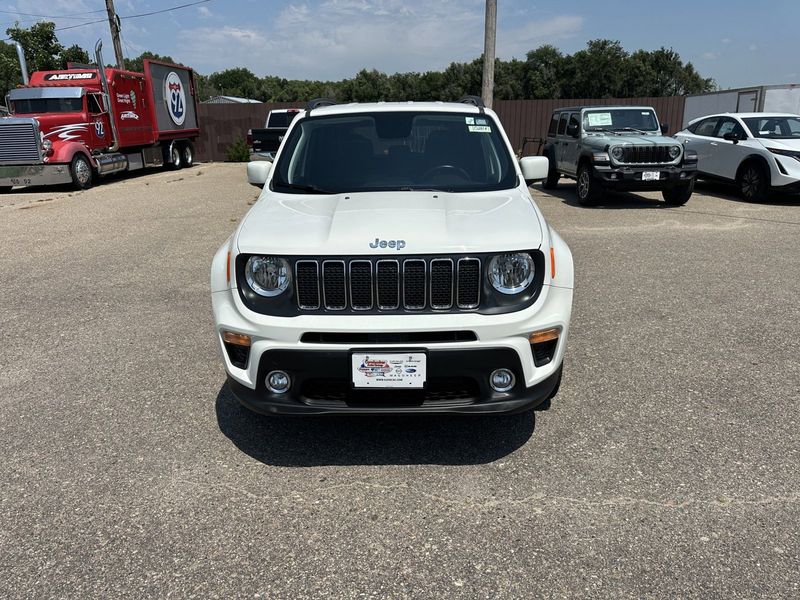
(534, 168)
(257, 172)
(572, 130)
(732, 136)
(665, 128)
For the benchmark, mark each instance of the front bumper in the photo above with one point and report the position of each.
(457, 382)
(14, 175)
(630, 178)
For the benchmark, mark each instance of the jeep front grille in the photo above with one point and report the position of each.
(641, 155)
(19, 142)
(410, 284)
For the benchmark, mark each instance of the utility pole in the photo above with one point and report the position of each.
(490, 35)
(113, 22)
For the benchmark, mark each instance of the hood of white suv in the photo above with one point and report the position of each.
(391, 223)
(781, 144)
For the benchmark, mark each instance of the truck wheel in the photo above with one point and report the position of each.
(81, 172)
(187, 155)
(678, 195)
(753, 182)
(589, 190)
(552, 175)
(175, 158)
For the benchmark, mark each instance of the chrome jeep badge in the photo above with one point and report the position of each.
(396, 244)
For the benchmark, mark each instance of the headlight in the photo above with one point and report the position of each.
(268, 275)
(674, 152)
(47, 145)
(511, 273)
(617, 152)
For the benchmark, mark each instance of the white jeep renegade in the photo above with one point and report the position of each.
(395, 262)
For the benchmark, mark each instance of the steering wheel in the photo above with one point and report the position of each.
(444, 169)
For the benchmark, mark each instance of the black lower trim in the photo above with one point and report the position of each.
(457, 382)
(630, 178)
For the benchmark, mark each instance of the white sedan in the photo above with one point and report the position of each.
(758, 151)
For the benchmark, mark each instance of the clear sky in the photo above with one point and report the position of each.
(737, 42)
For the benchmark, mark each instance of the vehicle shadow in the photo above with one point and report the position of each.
(566, 193)
(726, 191)
(371, 440)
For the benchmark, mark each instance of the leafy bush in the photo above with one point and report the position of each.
(238, 151)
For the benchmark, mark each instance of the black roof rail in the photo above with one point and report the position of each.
(474, 100)
(317, 102)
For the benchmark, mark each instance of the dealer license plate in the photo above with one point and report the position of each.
(651, 175)
(389, 370)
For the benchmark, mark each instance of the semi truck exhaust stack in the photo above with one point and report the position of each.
(23, 64)
(101, 68)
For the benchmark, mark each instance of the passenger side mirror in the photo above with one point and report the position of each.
(257, 172)
(572, 130)
(665, 128)
(534, 168)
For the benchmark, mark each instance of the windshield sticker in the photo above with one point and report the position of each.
(599, 119)
(646, 113)
(469, 120)
(481, 122)
(479, 128)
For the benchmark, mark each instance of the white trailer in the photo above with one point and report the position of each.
(765, 98)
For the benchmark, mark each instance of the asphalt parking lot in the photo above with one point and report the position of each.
(667, 466)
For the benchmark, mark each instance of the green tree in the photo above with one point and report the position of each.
(73, 54)
(42, 48)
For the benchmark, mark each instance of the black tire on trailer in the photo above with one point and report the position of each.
(80, 169)
(678, 195)
(187, 155)
(175, 161)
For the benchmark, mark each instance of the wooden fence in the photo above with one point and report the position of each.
(223, 124)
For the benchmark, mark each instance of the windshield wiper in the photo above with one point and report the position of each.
(302, 187)
(629, 129)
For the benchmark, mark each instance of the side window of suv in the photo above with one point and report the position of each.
(575, 119)
(728, 125)
(706, 127)
(562, 124)
(551, 131)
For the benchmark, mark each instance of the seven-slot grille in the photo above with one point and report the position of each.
(388, 284)
(646, 154)
(19, 143)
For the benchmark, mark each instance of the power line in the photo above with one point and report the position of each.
(156, 12)
(69, 16)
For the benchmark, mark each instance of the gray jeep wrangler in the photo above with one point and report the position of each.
(617, 148)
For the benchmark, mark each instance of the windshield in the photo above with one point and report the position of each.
(776, 128)
(35, 106)
(394, 151)
(620, 119)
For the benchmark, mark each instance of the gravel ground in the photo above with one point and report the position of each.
(667, 466)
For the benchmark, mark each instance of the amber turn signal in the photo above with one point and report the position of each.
(545, 335)
(237, 339)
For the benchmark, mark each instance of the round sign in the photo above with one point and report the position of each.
(175, 97)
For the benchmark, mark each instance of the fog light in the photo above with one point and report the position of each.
(278, 382)
(501, 380)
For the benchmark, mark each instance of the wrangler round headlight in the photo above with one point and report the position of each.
(511, 273)
(268, 275)
(617, 152)
(674, 152)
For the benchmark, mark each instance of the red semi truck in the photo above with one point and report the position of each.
(76, 124)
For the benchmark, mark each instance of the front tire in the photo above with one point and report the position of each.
(552, 175)
(678, 195)
(81, 172)
(589, 190)
(753, 182)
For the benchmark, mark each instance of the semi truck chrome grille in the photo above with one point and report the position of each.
(639, 155)
(410, 284)
(19, 143)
